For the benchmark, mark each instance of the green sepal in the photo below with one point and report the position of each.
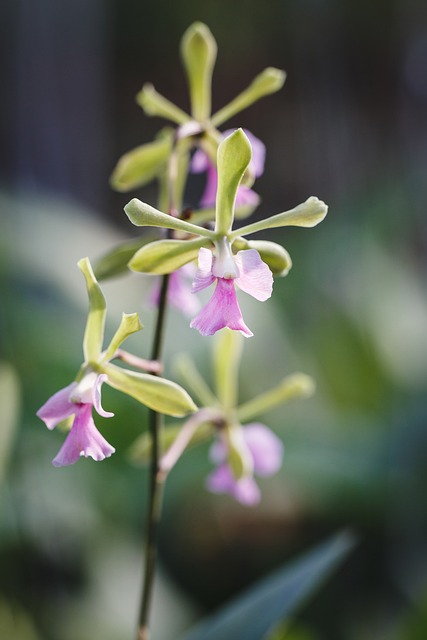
(307, 214)
(129, 324)
(142, 214)
(141, 450)
(94, 332)
(185, 368)
(239, 456)
(198, 51)
(159, 394)
(234, 156)
(268, 81)
(141, 165)
(115, 262)
(165, 256)
(227, 355)
(273, 254)
(154, 104)
(297, 385)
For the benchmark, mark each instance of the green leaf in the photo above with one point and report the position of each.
(251, 615)
(198, 50)
(141, 165)
(273, 254)
(159, 394)
(94, 332)
(307, 214)
(234, 156)
(165, 256)
(10, 405)
(297, 385)
(268, 81)
(115, 262)
(130, 323)
(155, 104)
(142, 214)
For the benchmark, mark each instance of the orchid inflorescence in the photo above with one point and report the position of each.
(225, 258)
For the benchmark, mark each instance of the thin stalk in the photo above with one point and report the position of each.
(156, 484)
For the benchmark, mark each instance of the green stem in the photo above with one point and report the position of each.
(156, 481)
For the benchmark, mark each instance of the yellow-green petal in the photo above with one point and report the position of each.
(115, 262)
(159, 394)
(154, 104)
(141, 165)
(198, 50)
(307, 214)
(227, 354)
(129, 324)
(297, 385)
(268, 81)
(273, 254)
(94, 332)
(239, 456)
(234, 156)
(142, 214)
(165, 256)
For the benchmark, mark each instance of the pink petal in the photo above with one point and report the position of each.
(246, 196)
(199, 162)
(96, 396)
(245, 490)
(221, 311)
(84, 439)
(58, 407)
(255, 276)
(266, 448)
(204, 276)
(256, 166)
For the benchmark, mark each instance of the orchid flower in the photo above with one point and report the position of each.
(199, 128)
(224, 254)
(84, 393)
(242, 449)
(179, 291)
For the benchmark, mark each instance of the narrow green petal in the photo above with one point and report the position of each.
(307, 214)
(141, 165)
(94, 332)
(129, 324)
(189, 374)
(143, 215)
(198, 50)
(165, 256)
(227, 355)
(234, 156)
(156, 393)
(239, 456)
(141, 450)
(297, 385)
(273, 254)
(155, 104)
(268, 81)
(115, 262)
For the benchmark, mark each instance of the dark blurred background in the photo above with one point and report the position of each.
(349, 126)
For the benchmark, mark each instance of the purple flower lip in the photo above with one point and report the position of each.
(252, 276)
(84, 439)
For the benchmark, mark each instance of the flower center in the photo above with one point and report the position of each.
(224, 265)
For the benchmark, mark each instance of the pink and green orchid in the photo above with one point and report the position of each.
(224, 254)
(243, 449)
(84, 393)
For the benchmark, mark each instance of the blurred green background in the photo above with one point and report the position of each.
(349, 126)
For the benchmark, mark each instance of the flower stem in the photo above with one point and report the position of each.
(156, 481)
